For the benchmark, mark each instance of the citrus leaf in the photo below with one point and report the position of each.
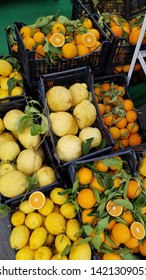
(66, 250)
(97, 194)
(44, 124)
(35, 129)
(87, 229)
(11, 84)
(86, 146)
(97, 241)
(125, 203)
(23, 122)
(75, 186)
(102, 224)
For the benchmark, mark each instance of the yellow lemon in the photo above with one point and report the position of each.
(68, 210)
(2, 127)
(47, 208)
(17, 218)
(4, 84)
(55, 223)
(17, 91)
(43, 253)
(25, 207)
(19, 237)
(58, 257)
(57, 196)
(25, 254)
(73, 229)
(33, 220)
(37, 238)
(80, 251)
(61, 241)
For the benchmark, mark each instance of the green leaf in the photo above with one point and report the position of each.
(66, 250)
(102, 224)
(125, 203)
(87, 229)
(86, 239)
(97, 194)
(86, 146)
(11, 84)
(44, 124)
(23, 122)
(112, 162)
(35, 129)
(97, 241)
(75, 186)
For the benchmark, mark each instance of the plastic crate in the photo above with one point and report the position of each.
(34, 68)
(20, 104)
(11, 41)
(121, 80)
(67, 78)
(125, 8)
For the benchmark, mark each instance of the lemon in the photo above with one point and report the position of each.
(50, 239)
(56, 197)
(3, 93)
(33, 220)
(144, 183)
(37, 238)
(19, 237)
(7, 136)
(17, 218)
(142, 167)
(4, 84)
(25, 254)
(46, 176)
(43, 253)
(10, 119)
(25, 207)
(17, 91)
(47, 208)
(55, 223)
(58, 257)
(28, 140)
(2, 127)
(5, 68)
(73, 229)
(68, 210)
(9, 150)
(80, 251)
(5, 167)
(61, 241)
(16, 75)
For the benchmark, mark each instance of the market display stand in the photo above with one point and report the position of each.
(138, 54)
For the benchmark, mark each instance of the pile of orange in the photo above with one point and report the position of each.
(119, 114)
(61, 41)
(111, 215)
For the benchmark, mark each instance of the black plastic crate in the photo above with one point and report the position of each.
(125, 8)
(67, 78)
(20, 104)
(121, 80)
(34, 68)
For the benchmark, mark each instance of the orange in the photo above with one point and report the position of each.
(106, 100)
(49, 35)
(124, 143)
(117, 30)
(133, 36)
(111, 224)
(137, 230)
(108, 120)
(134, 139)
(95, 184)
(126, 29)
(97, 90)
(137, 67)
(115, 132)
(89, 40)
(120, 232)
(69, 50)
(39, 52)
(96, 47)
(29, 43)
(131, 116)
(82, 50)
(127, 216)
(57, 40)
(121, 90)
(101, 108)
(118, 69)
(124, 133)
(135, 250)
(111, 256)
(110, 244)
(58, 27)
(134, 189)
(117, 182)
(38, 36)
(100, 166)
(25, 31)
(128, 104)
(84, 176)
(133, 127)
(87, 23)
(78, 38)
(121, 122)
(101, 235)
(142, 247)
(126, 68)
(108, 108)
(95, 32)
(87, 218)
(114, 21)
(105, 86)
(114, 209)
(132, 243)
(119, 164)
(37, 200)
(86, 198)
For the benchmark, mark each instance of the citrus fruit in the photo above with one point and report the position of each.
(61, 241)
(134, 189)
(57, 40)
(58, 27)
(25, 207)
(17, 218)
(5, 68)
(87, 218)
(73, 229)
(120, 232)
(80, 251)
(111, 256)
(57, 196)
(68, 210)
(142, 248)
(55, 223)
(25, 253)
(19, 237)
(86, 198)
(137, 230)
(43, 253)
(84, 176)
(69, 50)
(89, 39)
(47, 208)
(114, 209)
(95, 184)
(37, 238)
(33, 220)
(132, 243)
(37, 200)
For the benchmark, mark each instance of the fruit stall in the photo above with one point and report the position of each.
(73, 132)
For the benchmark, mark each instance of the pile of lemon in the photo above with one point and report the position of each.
(45, 227)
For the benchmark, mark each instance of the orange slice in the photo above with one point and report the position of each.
(57, 40)
(137, 230)
(37, 200)
(89, 40)
(114, 209)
